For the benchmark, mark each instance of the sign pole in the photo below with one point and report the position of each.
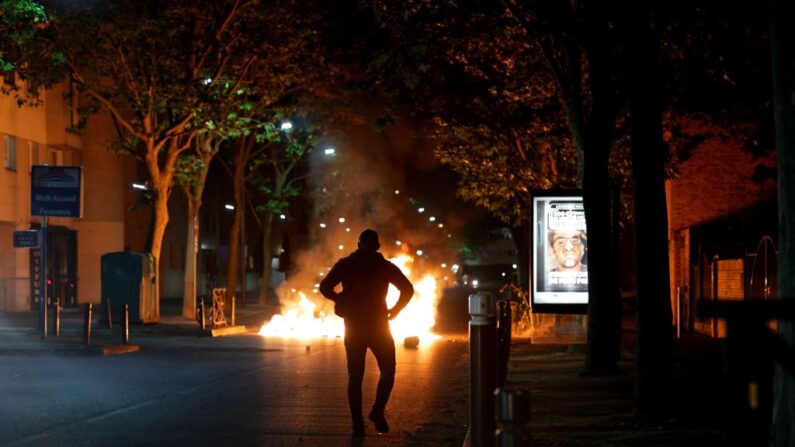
(43, 297)
(54, 191)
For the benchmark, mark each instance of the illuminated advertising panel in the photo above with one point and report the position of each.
(559, 254)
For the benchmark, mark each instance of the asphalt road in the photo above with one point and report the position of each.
(237, 391)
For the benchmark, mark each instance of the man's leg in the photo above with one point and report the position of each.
(355, 352)
(384, 350)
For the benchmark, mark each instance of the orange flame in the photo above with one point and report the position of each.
(303, 319)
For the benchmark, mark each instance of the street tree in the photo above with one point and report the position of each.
(150, 66)
(641, 46)
(575, 49)
(277, 174)
(190, 173)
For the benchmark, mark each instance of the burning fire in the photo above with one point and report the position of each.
(304, 319)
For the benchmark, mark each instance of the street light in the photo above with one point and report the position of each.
(229, 206)
(330, 151)
(286, 126)
(139, 186)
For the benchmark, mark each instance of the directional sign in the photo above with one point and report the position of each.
(26, 239)
(55, 191)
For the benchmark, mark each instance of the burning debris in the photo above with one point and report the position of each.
(304, 318)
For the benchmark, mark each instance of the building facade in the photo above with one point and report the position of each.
(47, 134)
(722, 229)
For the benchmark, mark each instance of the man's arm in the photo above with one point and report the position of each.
(406, 292)
(331, 280)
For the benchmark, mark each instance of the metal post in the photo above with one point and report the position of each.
(244, 255)
(503, 340)
(232, 312)
(125, 337)
(58, 319)
(43, 297)
(108, 314)
(513, 413)
(87, 325)
(678, 312)
(482, 339)
(201, 315)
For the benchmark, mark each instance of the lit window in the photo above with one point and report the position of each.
(10, 152)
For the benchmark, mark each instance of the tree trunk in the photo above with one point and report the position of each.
(159, 230)
(267, 252)
(654, 337)
(191, 249)
(234, 237)
(782, 35)
(604, 304)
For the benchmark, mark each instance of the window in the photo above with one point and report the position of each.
(10, 152)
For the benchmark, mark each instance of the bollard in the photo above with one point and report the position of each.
(87, 325)
(512, 409)
(57, 312)
(482, 339)
(44, 322)
(108, 314)
(201, 315)
(232, 312)
(503, 340)
(125, 335)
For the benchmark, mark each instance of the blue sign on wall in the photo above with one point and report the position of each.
(26, 239)
(56, 191)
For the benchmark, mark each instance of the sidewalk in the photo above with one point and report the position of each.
(572, 409)
(19, 333)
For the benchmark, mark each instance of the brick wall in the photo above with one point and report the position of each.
(716, 181)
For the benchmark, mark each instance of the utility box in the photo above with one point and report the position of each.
(129, 278)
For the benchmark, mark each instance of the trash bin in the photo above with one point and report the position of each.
(129, 278)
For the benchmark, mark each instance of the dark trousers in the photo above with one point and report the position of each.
(383, 347)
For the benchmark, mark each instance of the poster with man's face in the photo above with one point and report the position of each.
(560, 250)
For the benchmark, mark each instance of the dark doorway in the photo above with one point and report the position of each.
(61, 268)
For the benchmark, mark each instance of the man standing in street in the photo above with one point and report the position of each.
(365, 277)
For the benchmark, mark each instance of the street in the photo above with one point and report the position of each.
(243, 390)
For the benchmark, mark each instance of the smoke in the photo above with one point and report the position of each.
(363, 184)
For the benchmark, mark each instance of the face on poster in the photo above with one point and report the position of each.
(560, 251)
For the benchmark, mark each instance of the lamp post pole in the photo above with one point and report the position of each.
(243, 251)
(43, 294)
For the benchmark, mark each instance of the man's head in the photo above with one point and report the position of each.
(368, 240)
(568, 248)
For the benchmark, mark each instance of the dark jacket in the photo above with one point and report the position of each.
(365, 277)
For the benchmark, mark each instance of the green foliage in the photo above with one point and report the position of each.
(187, 170)
(19, 22)
(493, 102)
(279, 168)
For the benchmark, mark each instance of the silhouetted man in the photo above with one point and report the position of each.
(365, 277)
